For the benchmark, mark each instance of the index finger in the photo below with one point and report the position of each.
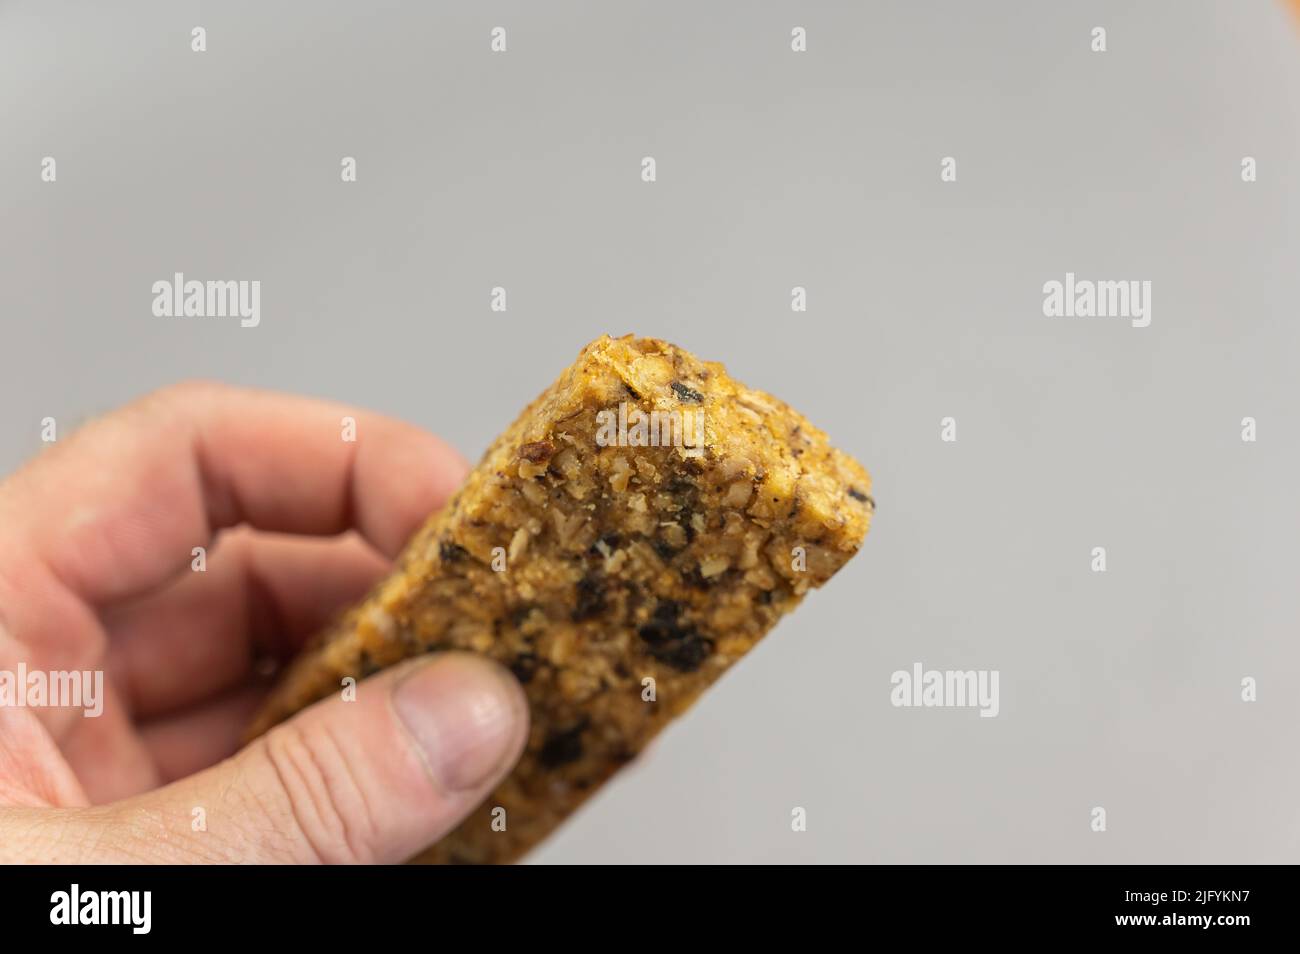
(119, 509)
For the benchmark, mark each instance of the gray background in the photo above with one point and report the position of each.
(775, 169)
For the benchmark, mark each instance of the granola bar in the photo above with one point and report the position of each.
(638, 529)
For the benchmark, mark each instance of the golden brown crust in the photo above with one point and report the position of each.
(588, 566)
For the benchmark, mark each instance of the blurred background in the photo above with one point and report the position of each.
(775, 169)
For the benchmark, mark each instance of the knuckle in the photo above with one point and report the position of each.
(321, 800)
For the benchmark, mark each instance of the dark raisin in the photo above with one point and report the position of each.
(450, 552)
(665, 613)
(671, 641)
(665, 550)
(537, 451)
(632, 392)
(524, 667)
(765, 597)
(661, 628)
(591, 598)
(669, 610)
(562, 746)
(859, 495)
(685, 393)
(679, 486)
(684, 655)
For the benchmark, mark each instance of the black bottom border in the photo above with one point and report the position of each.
(310, 905)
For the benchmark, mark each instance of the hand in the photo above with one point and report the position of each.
(96, 553)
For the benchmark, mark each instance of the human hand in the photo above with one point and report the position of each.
(96, 541)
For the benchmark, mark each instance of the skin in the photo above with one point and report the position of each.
(96, 537)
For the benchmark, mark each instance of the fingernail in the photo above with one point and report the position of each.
(466, 714)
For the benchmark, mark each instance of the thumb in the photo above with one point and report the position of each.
(372, 780)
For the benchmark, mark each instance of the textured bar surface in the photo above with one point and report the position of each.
(613, 564)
